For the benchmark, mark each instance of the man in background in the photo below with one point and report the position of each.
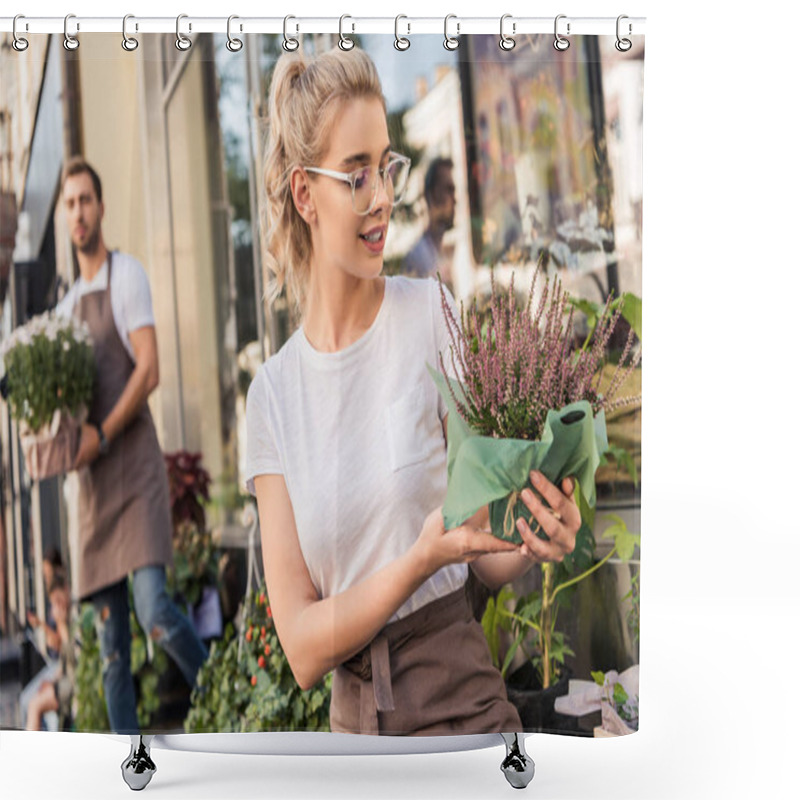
(426, 257)
(124, 511)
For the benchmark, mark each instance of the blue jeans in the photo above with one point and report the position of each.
(160, 619)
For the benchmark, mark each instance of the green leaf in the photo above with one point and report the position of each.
(599, 677)
(624, 459)
(624, 541)
(632, 311)
(620, 695)
(510, 654)
(489, 625)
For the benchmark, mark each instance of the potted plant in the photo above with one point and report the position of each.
(533, 626)
(49, 373)
(529, 396)
(246, 684)
(525, 398)
(193, 576)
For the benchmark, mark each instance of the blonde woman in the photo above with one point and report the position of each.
(346, 435)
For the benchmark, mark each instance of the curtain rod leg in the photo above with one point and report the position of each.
(138, 768)
(518, 766)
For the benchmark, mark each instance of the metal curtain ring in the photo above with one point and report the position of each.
(507, 42)
(345, 43)
(623, 45)
(400, 42)
(450, 42)
(70, 42)
(182, 42)
(19, 44)
(560, 43)
(234, 45)
(128, 42)
(290, 44)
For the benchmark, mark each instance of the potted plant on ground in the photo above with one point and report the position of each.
(49, 373)
(533, 626)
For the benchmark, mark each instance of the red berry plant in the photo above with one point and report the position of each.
(247, 685)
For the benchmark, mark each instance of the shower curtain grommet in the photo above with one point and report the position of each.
(19, 44)
(560, 43)
(623, 44)
(401, 43)
(234, 45)
(183, 43)
(129, 43)
(289, 44)
(450, 42)
(70, 42)
(345, 42)
(507, 42)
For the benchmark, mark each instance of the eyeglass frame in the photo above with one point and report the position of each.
(348, 177)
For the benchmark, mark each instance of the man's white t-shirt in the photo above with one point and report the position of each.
(357, 435)
(131, 301)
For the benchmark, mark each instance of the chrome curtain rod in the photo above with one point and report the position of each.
(406, 26)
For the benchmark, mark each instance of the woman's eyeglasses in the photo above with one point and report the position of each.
(364, 182)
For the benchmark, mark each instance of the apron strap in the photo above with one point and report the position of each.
(376, 692)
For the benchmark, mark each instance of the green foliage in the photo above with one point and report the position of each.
(49, 365)
(195, 562)
(624, 541)
(89, 697)
(247, 685)
(630, 306)
(535, 615)
(623, 459)
(633, 614)
(627, 707)
(493, 621)
(195, 557)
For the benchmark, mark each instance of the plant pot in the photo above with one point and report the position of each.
(536, 705)
(52, 450)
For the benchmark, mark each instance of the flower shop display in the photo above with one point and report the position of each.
(49, 373)
(525, 398)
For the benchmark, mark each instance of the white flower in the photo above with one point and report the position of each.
(66, 347)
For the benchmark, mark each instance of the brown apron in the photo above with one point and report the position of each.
(124, 512)
(427, 674)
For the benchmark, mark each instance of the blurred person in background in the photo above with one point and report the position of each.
(427, 257)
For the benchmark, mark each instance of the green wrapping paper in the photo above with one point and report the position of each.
(482, 469)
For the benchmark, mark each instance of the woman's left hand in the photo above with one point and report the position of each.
(560, 521)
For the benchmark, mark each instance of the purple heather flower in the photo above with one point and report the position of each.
(516, 366)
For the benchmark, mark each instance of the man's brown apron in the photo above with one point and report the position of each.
(427, 674)
(124, 512)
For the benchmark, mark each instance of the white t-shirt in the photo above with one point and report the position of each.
(131, 301)
(357, 435)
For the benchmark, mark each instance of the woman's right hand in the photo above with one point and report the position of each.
(436, 547)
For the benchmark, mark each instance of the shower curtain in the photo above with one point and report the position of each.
(510, 210)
